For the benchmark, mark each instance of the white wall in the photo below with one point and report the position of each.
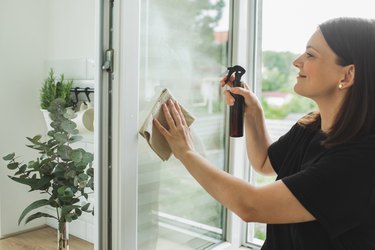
(22, 49)
(32, 35)
(70, 29)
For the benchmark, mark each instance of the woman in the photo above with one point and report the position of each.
(324, 193)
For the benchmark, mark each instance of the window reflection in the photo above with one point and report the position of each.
(184, 49)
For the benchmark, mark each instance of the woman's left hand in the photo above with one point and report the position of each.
(178, 134)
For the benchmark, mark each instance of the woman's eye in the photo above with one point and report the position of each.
(309, 54)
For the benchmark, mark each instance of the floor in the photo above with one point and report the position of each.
(41, 239)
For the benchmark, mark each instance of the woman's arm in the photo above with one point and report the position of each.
(273, 203)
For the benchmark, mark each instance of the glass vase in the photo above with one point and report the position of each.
(63, 236)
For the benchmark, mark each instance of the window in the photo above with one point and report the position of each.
(184, 47)
(286, 27)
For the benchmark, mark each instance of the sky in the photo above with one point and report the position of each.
(288, 24)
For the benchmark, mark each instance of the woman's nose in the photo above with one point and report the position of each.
(297, 62)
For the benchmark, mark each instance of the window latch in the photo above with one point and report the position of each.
(108, 62)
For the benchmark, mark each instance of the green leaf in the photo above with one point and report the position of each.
(32, 206)
(88, 157)
(76, 155)
(66, 209)
(60, 170)
(34, 183)
(51, 133)
(61, 190)
(74, 132)
(70, 174)
(70, 114)
(13, 165)
(83, 177)
(69, 218)
(75, 138)
(68, 192)
(64, 152)
(38, 215)
(78, 212)
(9, 157)
(35, 139)
(21, 169)
(35, 165)
(61, 137)
(81, 180)
(43, 183)
(29, 182)
(85, 207)
(90, 172)
(68, 125)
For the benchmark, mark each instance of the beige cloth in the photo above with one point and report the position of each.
(152, 135)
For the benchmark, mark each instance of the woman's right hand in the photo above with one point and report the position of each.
(252, 103)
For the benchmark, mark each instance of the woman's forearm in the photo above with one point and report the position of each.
(235, 194)
(257, 140)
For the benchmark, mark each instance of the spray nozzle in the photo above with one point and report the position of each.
(238, 72)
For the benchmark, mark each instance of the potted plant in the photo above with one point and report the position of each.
(52, 89)
(61, 173)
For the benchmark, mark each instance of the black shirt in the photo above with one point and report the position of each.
(336, 185)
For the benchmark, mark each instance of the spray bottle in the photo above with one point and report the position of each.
(236, 110)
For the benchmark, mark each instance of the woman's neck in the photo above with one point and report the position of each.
(328, 111)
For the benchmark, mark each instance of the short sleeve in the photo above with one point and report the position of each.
(338, 189)
(278, 150)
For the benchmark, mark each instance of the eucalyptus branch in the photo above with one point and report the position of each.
(61, 172)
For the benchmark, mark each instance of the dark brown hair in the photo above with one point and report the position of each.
(353, 42)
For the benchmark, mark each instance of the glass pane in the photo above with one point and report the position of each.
(183, 48)
(282, 42)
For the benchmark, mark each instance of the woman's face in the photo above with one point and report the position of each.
(319, 75)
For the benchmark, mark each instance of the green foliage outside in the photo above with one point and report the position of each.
(203, 16)
(298, 104)
(183, 52)
(279, 75)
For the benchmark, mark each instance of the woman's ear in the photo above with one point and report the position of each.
(349, 74)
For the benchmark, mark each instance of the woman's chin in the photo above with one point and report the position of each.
(299, 90)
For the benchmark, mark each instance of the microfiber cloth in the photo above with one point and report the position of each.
(152, 135)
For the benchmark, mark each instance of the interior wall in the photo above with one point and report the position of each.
(22, 49)
(70, 36)
(70, 29)
(35, 35)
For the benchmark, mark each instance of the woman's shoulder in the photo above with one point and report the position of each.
(298, 134)
(307, 125)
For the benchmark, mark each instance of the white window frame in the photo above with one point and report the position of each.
(125, 118)
(246, 39)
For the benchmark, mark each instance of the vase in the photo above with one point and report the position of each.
(63, 236)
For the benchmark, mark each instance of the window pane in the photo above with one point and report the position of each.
(183, 48)
(286, 27)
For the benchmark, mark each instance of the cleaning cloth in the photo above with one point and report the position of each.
(152, 135)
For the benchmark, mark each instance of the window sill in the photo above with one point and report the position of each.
(228, 246)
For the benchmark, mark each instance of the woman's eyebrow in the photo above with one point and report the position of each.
(312, 47)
